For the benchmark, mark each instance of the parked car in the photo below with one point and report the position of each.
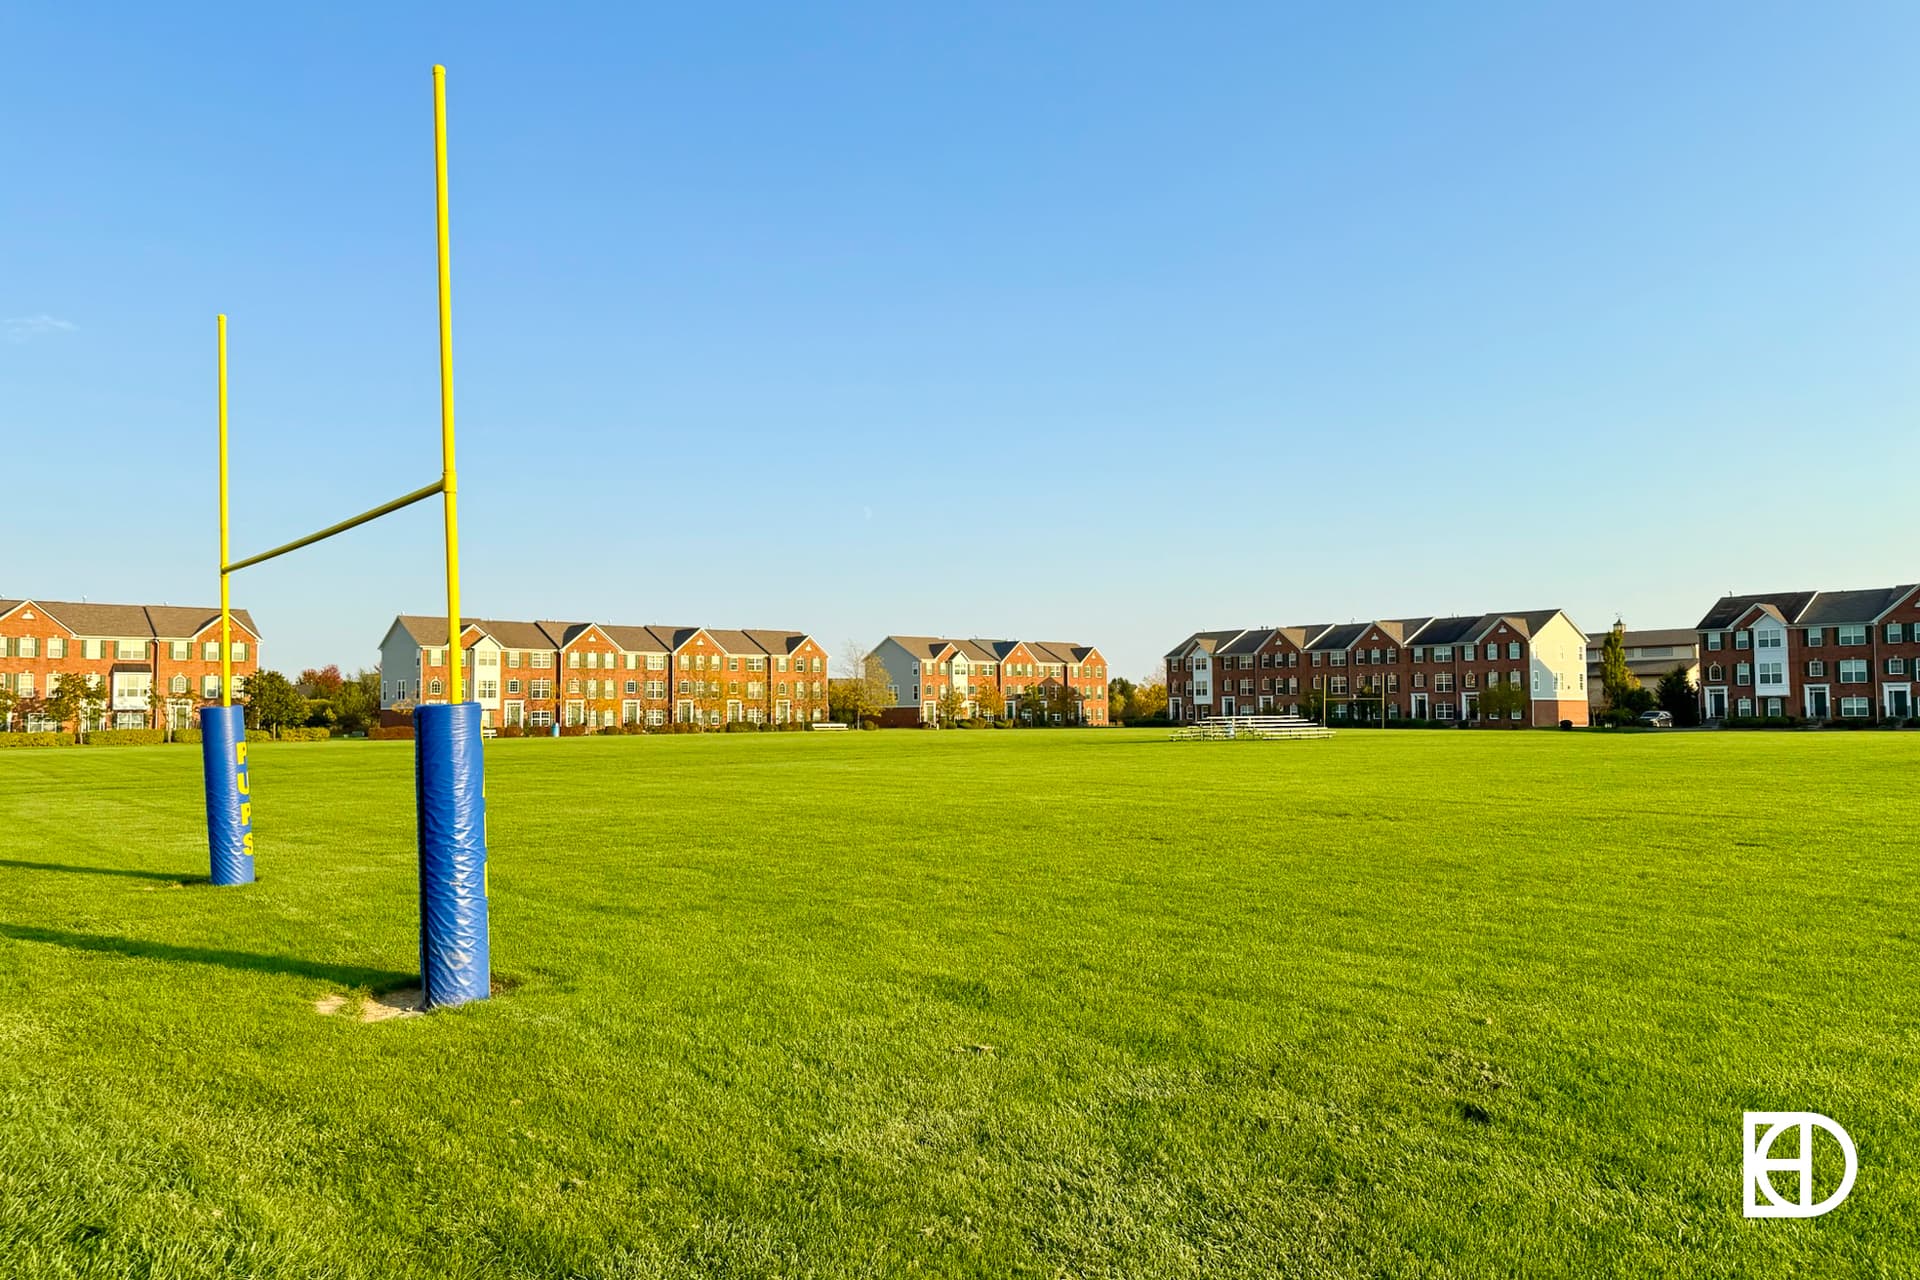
(1657, 719)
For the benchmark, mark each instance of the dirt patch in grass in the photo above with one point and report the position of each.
(372, 1008)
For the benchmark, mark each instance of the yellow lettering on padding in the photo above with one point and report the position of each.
(246, 843)
(241, 784)
(240, 754)
(246, 813)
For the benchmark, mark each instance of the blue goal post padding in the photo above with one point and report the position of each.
(451, 784)
(223, 754)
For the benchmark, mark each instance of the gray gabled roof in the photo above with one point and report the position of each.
(1829, 607)
(1208, 641)
(1728, 609)
(152, 621)
(1341, 635)
(1246, 642)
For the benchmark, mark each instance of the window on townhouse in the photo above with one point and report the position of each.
(540, 688)
(177, 685)
(180, 650)
(1337, 686)
(633, 686)
(57, 647)
(1896, 633)
(1769, 639)
(573, 660)
(1443, 682)
(573, 686)
(513, 686)
(1513, 651)
(1815, 669)
(1470, 681)
(239, 650)
(1419, 653)
(1853, 671)
(1772, 672)
(1338, 658)
(210, 687)
(1743, 640)
(513, 658)
(1896, 666)
(1852, 635)
(1717, 672)
(433, 687)
(1717, 640)
(1743, 674)
(1466, 652)
(1816, 636)
(1856, 708)
(540, 660)
(1443, 653)
(1266, 659)
(489, 689)
(1393, 655)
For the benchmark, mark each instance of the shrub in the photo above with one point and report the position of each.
(126, 737)
(312, 734)
(609, 731)
(390, 733)
(259, 735)
(186, 735)
(512, 731)
(573, 731)
(869, 724)
(1776, 722)
(36, 740)
(1856, 722)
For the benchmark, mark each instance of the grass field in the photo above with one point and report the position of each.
(984, 1004)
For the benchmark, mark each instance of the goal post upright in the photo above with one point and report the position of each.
(449, 776)
(223, 732)
(448, 759)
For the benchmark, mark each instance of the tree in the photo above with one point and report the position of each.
(1315, 705)
(992, 703)
(1119, 699)
(1617, 681)
(356, 704)
(1678, 697)
(75, 700)
(273, 703)
(951, 705)
(9, 700)
(1031, 705)
(322, 682)
(1499, 701)
(164, 704)
(1148, 701)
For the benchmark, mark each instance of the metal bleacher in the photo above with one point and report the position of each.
(1253, 728)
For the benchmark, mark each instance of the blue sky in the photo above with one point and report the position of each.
(1083, 322)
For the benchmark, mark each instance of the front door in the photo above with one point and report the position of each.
(1817, 708)
(1716, 704)
(1420, 706)
(1895, 700)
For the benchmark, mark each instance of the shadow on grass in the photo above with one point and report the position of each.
(16, 864)
(346, 975)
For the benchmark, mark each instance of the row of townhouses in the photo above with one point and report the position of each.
(598, 675)
(1387, 669)
(156, 663)
(1824, 655)
(1029, 679)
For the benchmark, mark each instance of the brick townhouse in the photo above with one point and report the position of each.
(596, 675)
(920, 669)
(133, 649)
(1396, 668)
(1824, 655)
